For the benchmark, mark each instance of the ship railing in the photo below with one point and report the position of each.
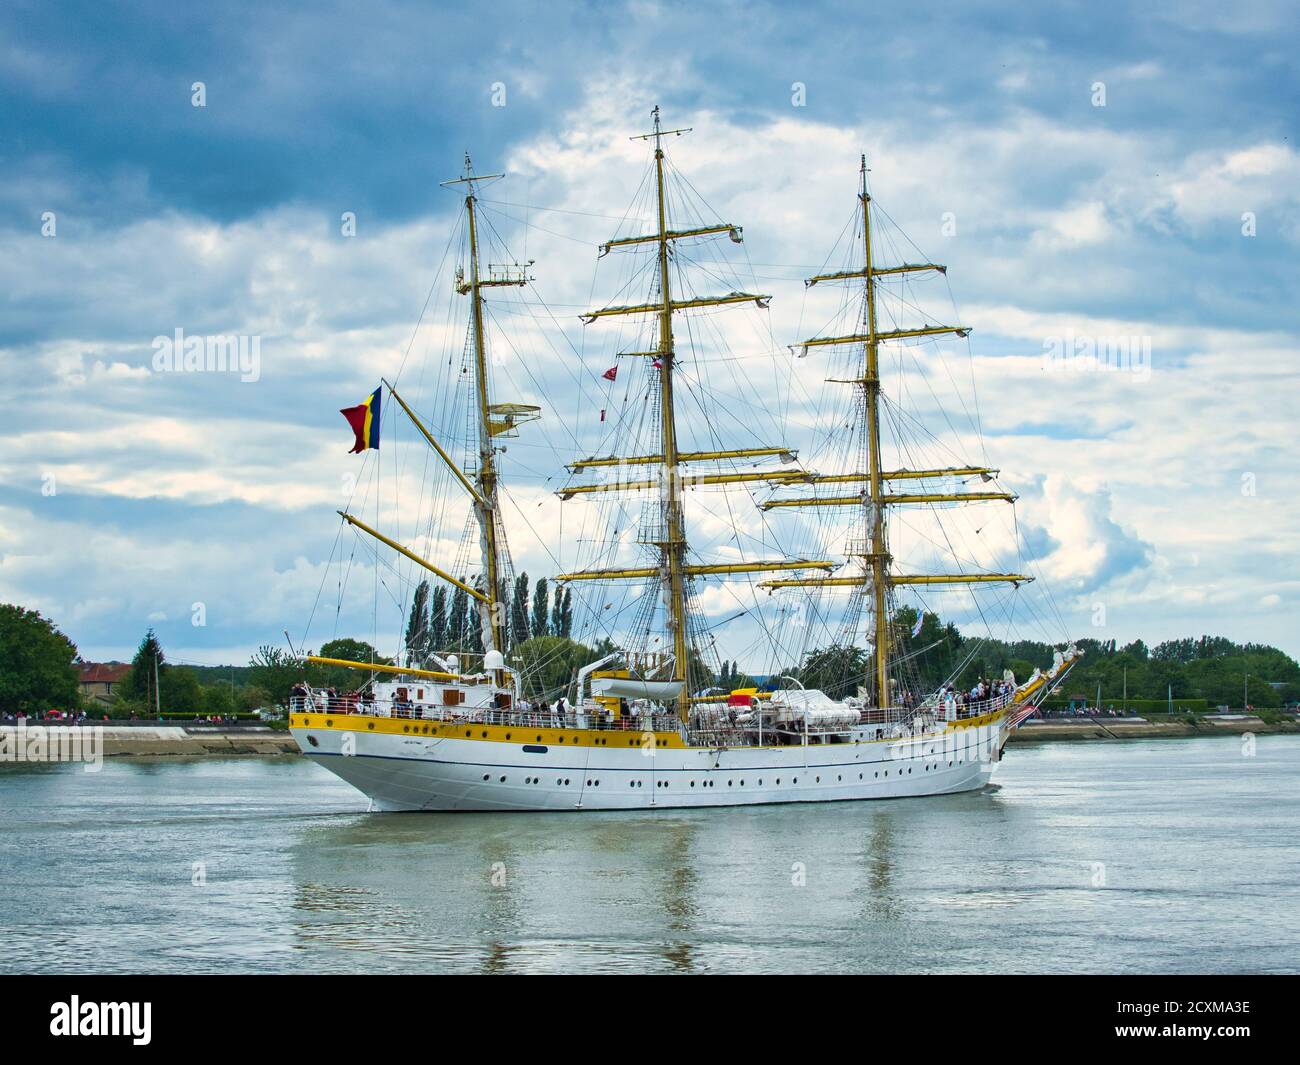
(935, 704)
(323, 703)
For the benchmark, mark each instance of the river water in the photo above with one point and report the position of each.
(1128, 856)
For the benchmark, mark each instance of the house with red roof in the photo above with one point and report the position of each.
(99, 680)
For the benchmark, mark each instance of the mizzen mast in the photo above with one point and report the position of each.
(873, 550)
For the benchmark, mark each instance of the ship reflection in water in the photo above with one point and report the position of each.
(1145, 856)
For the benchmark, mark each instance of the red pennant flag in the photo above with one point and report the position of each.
(658, 365)
(610, 374)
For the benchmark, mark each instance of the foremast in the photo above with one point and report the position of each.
(670, 538)
(482, 486)
(877, 576)
(491, 613)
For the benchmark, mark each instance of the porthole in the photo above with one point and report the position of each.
(503, 780)
(486, 775)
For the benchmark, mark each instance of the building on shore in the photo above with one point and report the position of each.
(98, 680)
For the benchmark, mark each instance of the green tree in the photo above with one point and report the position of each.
(473, 627)
(566, 616)
(36, 663)
(218, 699)
(541, 609)
(341, 677)
(417, 626)
(457, 631)
(519, 610)
(438, 620)
(274, 672)
(148, 669)
(548, 664)
(556, 626)
(837, 670)
(181, 691)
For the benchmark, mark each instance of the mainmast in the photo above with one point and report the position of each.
(673, 572)
(877, 574)
(673, 546)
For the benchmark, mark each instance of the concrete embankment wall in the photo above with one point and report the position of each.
(178, 740)
(1115, 729)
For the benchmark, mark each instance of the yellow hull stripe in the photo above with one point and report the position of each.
(566, 737)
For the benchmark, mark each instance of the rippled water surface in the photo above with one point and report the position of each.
(1131, 856)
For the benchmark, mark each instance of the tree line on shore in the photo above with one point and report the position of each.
(39, 664)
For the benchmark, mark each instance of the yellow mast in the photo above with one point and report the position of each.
(487, 474)
(877, 570)
(878, 558)
(484, 493)
(671, 537)
(485, 499)
(674, 546)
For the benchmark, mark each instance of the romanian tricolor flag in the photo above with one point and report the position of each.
(364, 419)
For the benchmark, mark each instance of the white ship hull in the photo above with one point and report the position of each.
(402, 772)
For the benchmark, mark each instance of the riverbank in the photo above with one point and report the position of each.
(1141, 729)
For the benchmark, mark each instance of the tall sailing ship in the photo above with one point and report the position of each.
(640, 726)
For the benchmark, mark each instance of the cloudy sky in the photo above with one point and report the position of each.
(1085, 172)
